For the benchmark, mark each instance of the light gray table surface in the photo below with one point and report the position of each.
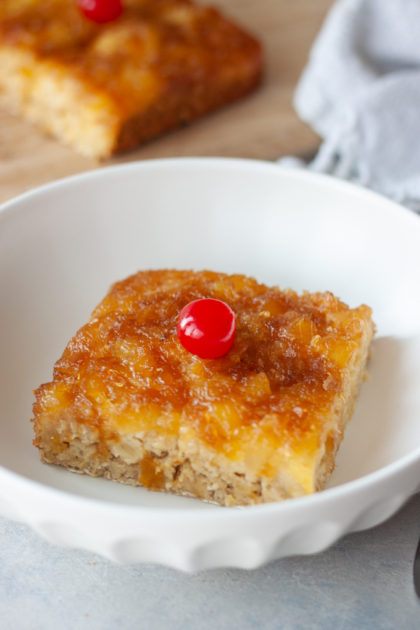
(362, 582)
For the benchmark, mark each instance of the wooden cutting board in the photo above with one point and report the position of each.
(263, 125)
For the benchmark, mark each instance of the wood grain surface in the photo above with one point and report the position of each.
(264, 125)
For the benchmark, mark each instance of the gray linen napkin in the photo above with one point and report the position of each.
(361, 92)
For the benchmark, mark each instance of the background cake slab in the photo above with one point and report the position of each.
(264, 125)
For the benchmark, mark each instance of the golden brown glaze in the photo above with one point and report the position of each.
(125, 370)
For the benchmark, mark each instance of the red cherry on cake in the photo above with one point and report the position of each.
(101, 11)
(206, 328)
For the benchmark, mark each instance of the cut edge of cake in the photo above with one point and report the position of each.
(60, 104)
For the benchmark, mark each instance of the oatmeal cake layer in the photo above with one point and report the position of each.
(262, 423)
(105, 88)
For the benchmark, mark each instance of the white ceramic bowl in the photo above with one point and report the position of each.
(61, 247)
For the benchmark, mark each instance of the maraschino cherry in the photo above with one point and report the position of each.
(101, 11)
(206, 328)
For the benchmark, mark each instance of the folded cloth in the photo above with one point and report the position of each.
(361, 93)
